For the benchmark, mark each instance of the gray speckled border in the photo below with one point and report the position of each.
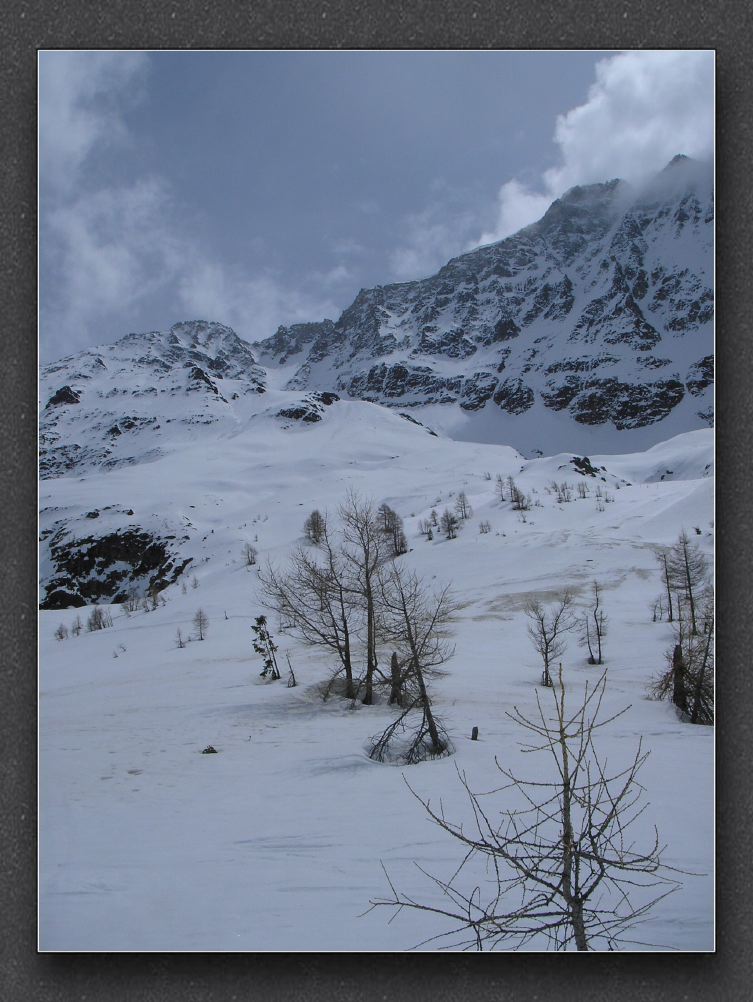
(599, 24)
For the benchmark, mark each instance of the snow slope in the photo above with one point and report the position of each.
(275, 843)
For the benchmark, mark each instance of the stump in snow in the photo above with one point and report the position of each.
(474, 734)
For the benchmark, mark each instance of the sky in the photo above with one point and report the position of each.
(267, 188)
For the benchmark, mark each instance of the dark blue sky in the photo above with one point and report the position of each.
(259, 188)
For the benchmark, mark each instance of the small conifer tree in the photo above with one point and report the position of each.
(266, 648)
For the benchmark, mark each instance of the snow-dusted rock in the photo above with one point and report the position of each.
(613, 282)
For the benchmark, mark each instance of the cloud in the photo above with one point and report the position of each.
(253, 307)
(113, 248)
(517, 206)
(642, 109)
(108, 250)
(81, 103)
(335, 276)
(347, 247)
(116, 248)
(430, 239)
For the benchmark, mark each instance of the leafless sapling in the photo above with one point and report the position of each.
(154, 597)
(593, 628)
(448, 523)
(548, 629)
(250, 553)
(99, 619)
(292, 681)
(201, 623)
(132, 600)
(566, 868)
(61, 633)
(667, 581)
(462, 506)
(657, 609)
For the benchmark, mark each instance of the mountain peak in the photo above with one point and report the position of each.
(678, 158)
(600, 313)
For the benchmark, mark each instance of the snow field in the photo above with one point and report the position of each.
(275, 843)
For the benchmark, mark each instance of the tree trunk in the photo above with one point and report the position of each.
(689, 586)
(679, 695)
(436, 743)
(591, 658)
(574, 904)
(396, 695)
(579, 928)
(368, 698)
(597, 623)
(698, 692)
(350, 691)
(670, 616)
(546, 678)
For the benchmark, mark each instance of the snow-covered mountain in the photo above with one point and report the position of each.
(178, 395)
(588, 332)
(601, 313)
(125, 402)
(166, 455)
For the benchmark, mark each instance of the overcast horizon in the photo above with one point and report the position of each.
(266, 188)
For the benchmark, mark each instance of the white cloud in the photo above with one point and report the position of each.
(335, 276)
(643, 108)
(81, 98)
(106, 249)
(253, 307)
(112, 249)
(347, 247)
(517, 207)
(430, 239)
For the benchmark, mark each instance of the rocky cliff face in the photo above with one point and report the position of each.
(601, 312)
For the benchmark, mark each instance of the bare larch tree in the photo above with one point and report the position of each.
(593, 628)
(314, 600)
(364, 552)
(566, 868)
(688, 678)
(548, 629)
(201, 623)
(313, 527)
(462, 506)
(688, 569)
(416, 623)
